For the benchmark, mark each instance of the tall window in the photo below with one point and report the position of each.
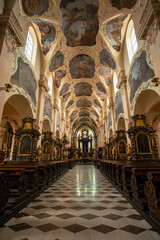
(50, 85)
(131, 41)
(29, 46)
(134, 41)
(115, 80)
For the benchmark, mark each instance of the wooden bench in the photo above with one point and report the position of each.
(4, 193)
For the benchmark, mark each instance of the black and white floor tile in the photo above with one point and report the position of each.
(82, 205)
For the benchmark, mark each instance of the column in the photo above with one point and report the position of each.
(62, 118)
(55, 110)
(111, 107)
(122, 84)
(43, 88)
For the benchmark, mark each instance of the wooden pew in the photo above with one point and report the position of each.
(16, 183)
(4, 193)
(152, 193)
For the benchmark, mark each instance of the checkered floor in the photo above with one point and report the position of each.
(82, 205)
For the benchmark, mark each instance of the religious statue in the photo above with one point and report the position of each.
(129, 152)
(38, 153)
(113, 152)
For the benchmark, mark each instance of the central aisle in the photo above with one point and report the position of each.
(81, 205)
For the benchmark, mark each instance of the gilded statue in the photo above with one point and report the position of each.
(113, 152)
(39, 153)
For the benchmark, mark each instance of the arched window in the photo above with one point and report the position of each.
(115, 81)
(31, 46)
(50, 81)
(131, 41)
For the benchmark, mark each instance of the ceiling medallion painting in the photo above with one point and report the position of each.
(106, 59)
(57, 61)
(69, 104)
(84, 119)
(58, 77)
(48, 34)
(97, 103)
(94, 113)
(100, 87)
(119, 4)
(73, 115)
(32, 7)
(83, 103)
(106, 74)
(101, 95)
(82, 66)
(66, 96)
(84, 114)
(113, 31)
(83, 89)
(64, 88)
(80, 23)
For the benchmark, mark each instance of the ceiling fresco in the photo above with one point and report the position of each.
(83, 103)
(66, 96)
(58, 77)
(48, 34)
(32, 7)
(97, 103)
(113, 31)
(82, 89)
(73, 115)
(80, 22)
(84, 114)
(64, 88)
(57, 61)
(100, 87)
(100, 95)
(106, 74)
(69, 104)
(82, 66)
(84, 119)
(95, 113)
(119, 4)
(106, 59)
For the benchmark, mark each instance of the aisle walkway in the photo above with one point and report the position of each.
(81, 205)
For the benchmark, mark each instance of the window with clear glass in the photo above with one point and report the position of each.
(115, 80)
(29, 46)
(50, 85)
(134, 41)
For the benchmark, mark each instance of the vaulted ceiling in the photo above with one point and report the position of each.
(81, 44)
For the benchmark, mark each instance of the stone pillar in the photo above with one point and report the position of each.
(122, 85)
(43, 88)
(62, 118)
(111, 107)
(55, 110)
(106, 124)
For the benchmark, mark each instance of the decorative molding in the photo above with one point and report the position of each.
(150, 21)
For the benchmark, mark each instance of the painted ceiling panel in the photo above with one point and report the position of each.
(73, 114)
(66, 96)
(64, 88)
(82, 66)
(83, 103)
(101, 95)
(57, 61)
(58, 77)
(84, 119)
(69, 104)
(33, 7)
(48, 34)
(95, 113)
(83, 89)
(80, 23)
(119, 4)
(106, 59)
(84, 114)
(97, 103)
(106, 74)
(100, 87)
(113, 31)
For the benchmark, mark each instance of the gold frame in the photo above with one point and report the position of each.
(20, 145)
(148, 142)
(43, 149)
(125, 146)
